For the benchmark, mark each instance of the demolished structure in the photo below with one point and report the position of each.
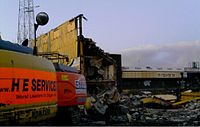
(106, 105)
(73, 49)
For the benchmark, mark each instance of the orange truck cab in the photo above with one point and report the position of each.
(71, 86)
(71, 92)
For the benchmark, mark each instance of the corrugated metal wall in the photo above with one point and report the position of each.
(62, 39)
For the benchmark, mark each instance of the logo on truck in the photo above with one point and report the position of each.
(27, 90)
(36, 85)
(80, 87)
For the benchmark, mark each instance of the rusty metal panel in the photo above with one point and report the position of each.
(151, 74)
(62, 40)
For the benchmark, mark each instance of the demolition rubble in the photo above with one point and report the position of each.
(111, 108)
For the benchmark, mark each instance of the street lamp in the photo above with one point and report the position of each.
(42, 19)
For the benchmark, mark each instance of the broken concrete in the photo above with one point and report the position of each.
(129, 110)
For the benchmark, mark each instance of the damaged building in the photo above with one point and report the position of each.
(68, 45)
(73, 49)
(100, 68)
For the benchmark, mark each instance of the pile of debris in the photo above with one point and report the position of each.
(111, 108)
(189, 115)
(106, 108)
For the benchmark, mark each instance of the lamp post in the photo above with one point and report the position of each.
(42, 19)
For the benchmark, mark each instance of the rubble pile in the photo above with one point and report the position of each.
(188, 115)
(110, 108)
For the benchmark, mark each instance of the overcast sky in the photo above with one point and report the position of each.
(174, 55)
(119, 26)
